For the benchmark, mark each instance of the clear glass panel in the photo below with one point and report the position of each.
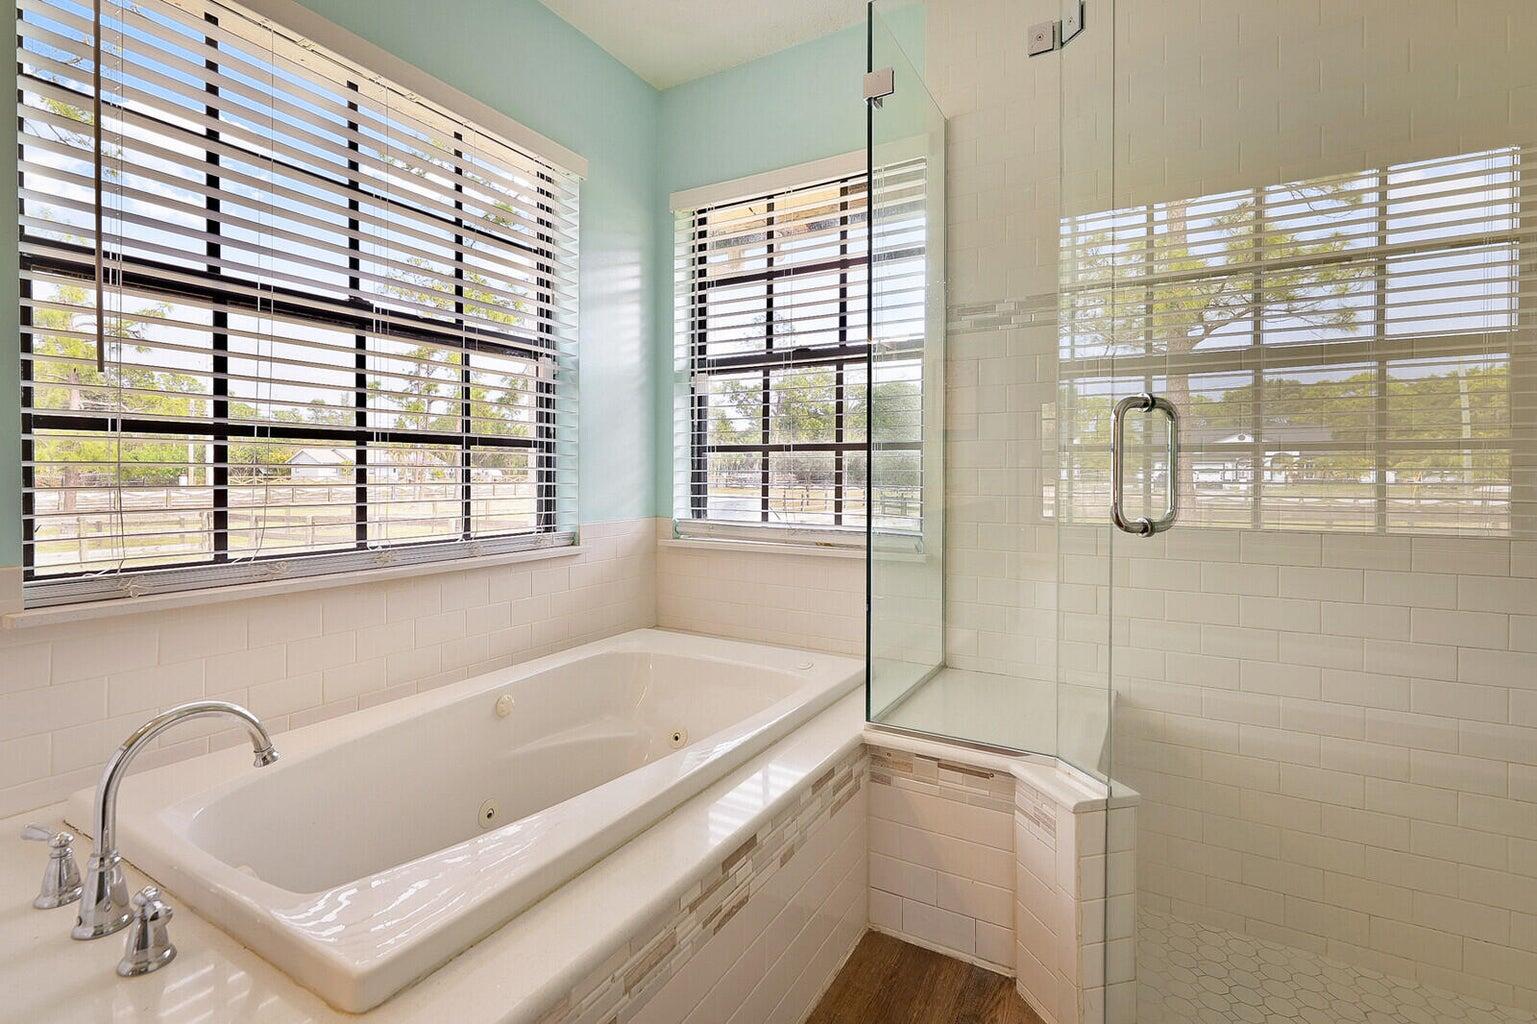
(905, 381)
(1316, 673)
(1088, 335)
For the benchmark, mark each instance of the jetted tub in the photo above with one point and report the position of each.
(384, 843)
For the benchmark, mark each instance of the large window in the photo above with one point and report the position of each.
(1348, 353)
(279, 315)
(774, 360)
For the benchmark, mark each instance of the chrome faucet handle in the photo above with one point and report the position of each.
(104, 906)
(149, 946)
(61, 878)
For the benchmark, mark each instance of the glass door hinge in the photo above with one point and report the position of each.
(1046, 36)
(879, 84)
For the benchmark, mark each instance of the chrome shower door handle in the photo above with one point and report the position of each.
(1143, 402)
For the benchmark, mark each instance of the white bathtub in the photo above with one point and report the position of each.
(364, 858)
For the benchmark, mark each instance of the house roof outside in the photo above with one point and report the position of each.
(318, 457)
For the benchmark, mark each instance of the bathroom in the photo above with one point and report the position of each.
(533, 511)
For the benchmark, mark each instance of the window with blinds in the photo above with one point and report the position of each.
(1349, 353)
(774, 360)
(279, 315)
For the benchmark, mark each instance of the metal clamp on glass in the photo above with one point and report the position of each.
(1143, 402)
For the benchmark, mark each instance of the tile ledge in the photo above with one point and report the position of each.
(1067, 785)
(113, 607)
(759, 547)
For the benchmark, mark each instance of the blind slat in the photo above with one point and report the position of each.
(1347, 353)
(773, 358)
(335, 318)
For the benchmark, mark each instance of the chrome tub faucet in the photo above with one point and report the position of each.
(104, 906)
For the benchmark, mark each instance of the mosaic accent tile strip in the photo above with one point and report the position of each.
(1190, 972)
(620, 988)
(1003, 315)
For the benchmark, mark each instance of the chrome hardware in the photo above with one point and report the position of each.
(1042, 38)
(104, 908)
(1047, 36)
(879, 84)
(149, 946)
(61, 878)
(1072, 23)
(1144, 402)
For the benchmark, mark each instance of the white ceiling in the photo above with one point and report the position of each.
(668, 42)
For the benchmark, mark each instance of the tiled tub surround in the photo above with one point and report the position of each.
(808, 597)
(1013, 863)
(786, 831)
(754, 893)
(759, 938)
(374, 824)
(70, 692)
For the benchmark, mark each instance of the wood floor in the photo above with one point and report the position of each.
(887, 981)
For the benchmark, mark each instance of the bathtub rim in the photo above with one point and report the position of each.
(348, 983)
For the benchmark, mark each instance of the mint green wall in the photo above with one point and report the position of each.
(525, 61)
(790, 107)
(799, 104)
(522, 59)
(803, 103)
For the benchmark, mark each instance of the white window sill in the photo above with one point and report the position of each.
(113, 607)
(760, 547)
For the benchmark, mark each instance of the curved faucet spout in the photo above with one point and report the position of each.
(104, 908)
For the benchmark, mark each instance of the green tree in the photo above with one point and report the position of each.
(65, 379)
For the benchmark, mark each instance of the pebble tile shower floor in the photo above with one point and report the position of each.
(1189, 972)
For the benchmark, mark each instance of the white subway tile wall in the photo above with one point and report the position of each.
(1379, 806)
(70, 693)
(1334, 735)
(941, 856)
(983, 866)
(811, 601)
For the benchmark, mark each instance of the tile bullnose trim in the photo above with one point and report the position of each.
(20, 618)
(1069, 787)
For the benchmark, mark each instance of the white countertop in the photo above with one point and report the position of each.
(508, 978)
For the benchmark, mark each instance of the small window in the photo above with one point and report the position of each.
(774, 364)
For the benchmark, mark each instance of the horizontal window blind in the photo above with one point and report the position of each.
(279, 315)
(773, 359)
(1356, 352)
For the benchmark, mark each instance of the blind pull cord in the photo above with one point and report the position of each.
(96, 176)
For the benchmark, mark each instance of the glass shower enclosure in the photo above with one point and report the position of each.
(906, 370)
(1216, 321)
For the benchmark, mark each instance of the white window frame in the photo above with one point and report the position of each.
(687, 523)
(554, 530)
